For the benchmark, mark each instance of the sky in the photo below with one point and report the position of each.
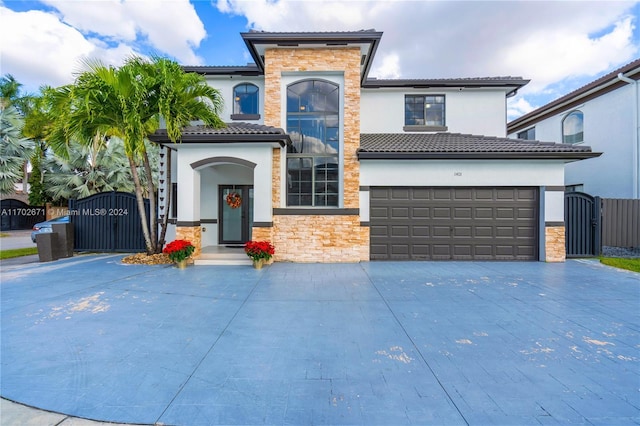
(558, 45)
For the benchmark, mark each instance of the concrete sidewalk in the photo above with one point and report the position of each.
(386, 343)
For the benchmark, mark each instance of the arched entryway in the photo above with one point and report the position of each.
(226, 200)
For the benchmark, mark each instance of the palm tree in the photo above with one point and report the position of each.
(14, 148)
(10, 96)
(36, 124)
(129, 102)
(89, 169)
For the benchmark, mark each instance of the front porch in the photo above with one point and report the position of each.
(222, 255)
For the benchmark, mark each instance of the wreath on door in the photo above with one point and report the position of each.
(234, 200)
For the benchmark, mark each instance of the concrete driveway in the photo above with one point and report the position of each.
(389, 343)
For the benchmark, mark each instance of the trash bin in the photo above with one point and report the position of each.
(64, 231)
(47, 244)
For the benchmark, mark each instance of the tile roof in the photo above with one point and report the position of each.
(598, 87)
(235, 128)
(505, 81)
(232, 132)
(458, 146)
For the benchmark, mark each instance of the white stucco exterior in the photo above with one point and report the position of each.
(225, 85)
(470, 111)
(471, 173)
(376, 149)
(610, 127)
(221, 164)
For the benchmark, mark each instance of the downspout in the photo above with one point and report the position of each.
(636, 146)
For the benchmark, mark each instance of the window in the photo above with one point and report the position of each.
(245, 102)
(572, 128)
(529, 134)
(574, 188)
(174, 200)
(313, 122)
(424, 110)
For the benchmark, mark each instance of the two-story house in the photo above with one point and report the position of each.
(604, 115)
(331, 165)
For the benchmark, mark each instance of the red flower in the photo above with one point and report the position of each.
(259, 250)
(179, 250)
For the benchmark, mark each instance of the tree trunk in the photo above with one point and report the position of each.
(25, 179)
(152, 202)
(141, 210)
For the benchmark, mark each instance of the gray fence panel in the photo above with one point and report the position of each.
(621, 222)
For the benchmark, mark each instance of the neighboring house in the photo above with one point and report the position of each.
(604, 116)
(333, 166)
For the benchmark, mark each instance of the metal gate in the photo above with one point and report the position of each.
(15, 214)
(583, 219)
(108, 221)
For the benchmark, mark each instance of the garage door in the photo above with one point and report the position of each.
(454, 223)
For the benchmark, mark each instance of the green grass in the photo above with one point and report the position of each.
(622, 263)
(8, 254)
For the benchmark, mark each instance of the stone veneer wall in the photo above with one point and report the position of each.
(554, 243)
(318, 238)
(192, 234)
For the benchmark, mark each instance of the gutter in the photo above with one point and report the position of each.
(636, 147)
(567, 156)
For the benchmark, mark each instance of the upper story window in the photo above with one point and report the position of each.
(424, 112)
(245, 102)
(529, 134)
(573, 127)
(313, 123)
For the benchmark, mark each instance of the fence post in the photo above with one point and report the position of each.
(597, 226)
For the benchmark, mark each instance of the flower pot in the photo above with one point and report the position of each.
(181, 264)
(258, 263)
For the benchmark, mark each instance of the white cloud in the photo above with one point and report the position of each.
(389, 67)
(546, 42)
(170, 26)
(565, 54)
(517, 107)
(53, 48)
(557, 44)
(47, 47)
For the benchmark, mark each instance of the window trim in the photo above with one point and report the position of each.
(425, 127)
(562, 128)
(245, 116)
(337, 80)
(417, 128)
(242, 116)
(526, 132)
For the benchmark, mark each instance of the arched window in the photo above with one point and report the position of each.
(573, 127)
(313, 122)
(245, 101)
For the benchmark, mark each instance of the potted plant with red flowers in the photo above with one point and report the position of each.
(259, 252)
(179, 251)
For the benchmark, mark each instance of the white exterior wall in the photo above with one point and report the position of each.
(198, 189)
(470, 111)
(608, 128)
(461, 173)
(225, 85)
(470, 173)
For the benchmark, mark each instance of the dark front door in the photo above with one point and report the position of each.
(235, 213)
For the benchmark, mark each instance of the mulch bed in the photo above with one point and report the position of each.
(145, 259)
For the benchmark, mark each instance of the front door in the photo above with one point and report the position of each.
(235, 213)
